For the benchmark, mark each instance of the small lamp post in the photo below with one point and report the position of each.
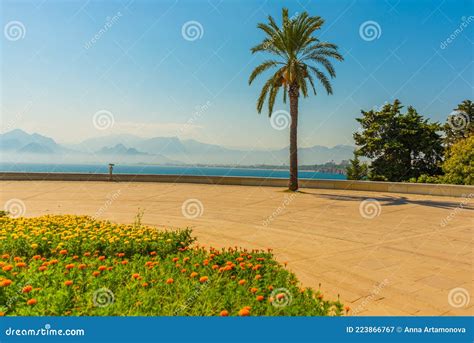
(111, 169)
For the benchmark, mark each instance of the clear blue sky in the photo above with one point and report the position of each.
(152, 80)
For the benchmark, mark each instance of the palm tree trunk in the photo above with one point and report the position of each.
(294, 94)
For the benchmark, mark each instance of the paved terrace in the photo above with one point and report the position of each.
(402, 258)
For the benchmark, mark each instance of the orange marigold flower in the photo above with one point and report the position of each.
(81, 266)
(63, 252)
(224, 313)
(183, 270)
(42, 268)
(258, 277)
(6, 282)
(17, 259)
(87, 254)
(7, 268)
(148, 264)
(214, 267)
(101, 258)
(75, 257)
(70, 266)
(124, 262)
(259, 297)
(186, 259)
(169, 281)
(102, 268)
(239, 259)
(36, 257)
(175, 259)
(68, 282)
(270, 288)
(193, 274)
(153, 253)
(203, 279)
(242, 282)
(21, 264)
(96, 273)
(135, 275)
(347, 308)
(53, 261)
(145, 284)
(5, 256)
(2, 314)
(244, 312)
(280, 296)
(121, 254)
(32, 302)
(320, 296)
(253, 290)
(27, 289)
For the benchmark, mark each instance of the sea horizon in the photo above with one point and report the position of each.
(144, 169)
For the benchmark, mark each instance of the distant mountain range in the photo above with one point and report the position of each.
(17, 145)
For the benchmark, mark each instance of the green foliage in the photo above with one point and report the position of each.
(427, 179)
(357, 170)
(297, 55)
(459, 165)
(460, 124)
(401, 145)
(82, 278)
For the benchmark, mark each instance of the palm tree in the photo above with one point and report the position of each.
(297, 55)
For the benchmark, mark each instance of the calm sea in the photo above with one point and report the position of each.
(162, 170)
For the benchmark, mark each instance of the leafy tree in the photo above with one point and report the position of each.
(459, 166)
(297, 57)
(356, 170)
(460, 124)
(401, 145)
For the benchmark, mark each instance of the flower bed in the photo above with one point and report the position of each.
(74, 265)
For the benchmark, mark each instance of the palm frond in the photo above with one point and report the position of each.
(261, 68)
